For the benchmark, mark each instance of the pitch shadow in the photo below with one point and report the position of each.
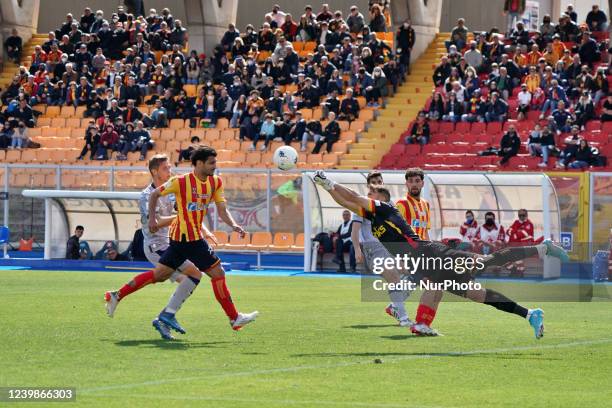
(177, 344)
(368, 326)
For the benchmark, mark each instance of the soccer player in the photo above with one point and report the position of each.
(369, 248)
(415, 210)
(155, 244)
(399, 239)
(194, 192)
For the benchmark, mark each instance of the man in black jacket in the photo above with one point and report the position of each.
(331, 134)
(129, 91)
(309, 94)
(14, 46)
(345, 244)
(72, 246)
(405, 38)
(349, 107)
(509, 146)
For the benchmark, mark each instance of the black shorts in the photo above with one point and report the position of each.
(198, 252)
(444, 252)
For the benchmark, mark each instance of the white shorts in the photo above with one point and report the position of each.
(154, 252)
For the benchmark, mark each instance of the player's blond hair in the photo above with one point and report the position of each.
(156, 161)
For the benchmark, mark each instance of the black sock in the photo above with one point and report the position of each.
(501, 302)
(509, 254)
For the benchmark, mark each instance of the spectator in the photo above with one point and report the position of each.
(349, 107)
(584, 110)
(436, 107)
(112, 254)
(250, 130)
(355, 21)
(419, 132)
(137, 139)
(509, 146)
(473, 56)
(378, 89)
(276, 15)
(267, 132)
(524, 102)
(6, 135)
(313, 132)
(19, 138)
(158, 118)
(92, 139)
(185, 154)
(541, 142)
(571, 147)
(547, 28)
(345, 244)
(571, 13)
(108, 141)
(454, 109)
(378, 23)
(72, 246)
(588, 52)
(330, 135)
(583, 157)
(296, 131)
(561, 119)
(442, 71)
(14, 46)
(606, 114)
(519, 35)
(596, 19)
(458, 35)
(513, 10)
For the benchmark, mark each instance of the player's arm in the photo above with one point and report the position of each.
(171, 186)
(165, 221)
(209, 235)
(342, 195)
(227, 218)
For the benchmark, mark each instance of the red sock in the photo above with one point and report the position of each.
(223, 297)
(139, 282)
(425, 314)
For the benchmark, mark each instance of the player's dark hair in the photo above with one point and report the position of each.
(469, 212)
(156, 161)
(414, 172)
(202, 153)
(491, 213)
(522, 210)
(384, 192)
(373, 174)
(80, 228)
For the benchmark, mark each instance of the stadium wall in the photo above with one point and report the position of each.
(482, 18)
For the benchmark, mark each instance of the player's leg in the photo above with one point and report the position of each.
(396, 308)
(427, 309)
(185, 288)
(490, 297)
(513, 254)
(159, 274)
(205, 259)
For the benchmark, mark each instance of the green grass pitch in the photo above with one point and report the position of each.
(313, 345)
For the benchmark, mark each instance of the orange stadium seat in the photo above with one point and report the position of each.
(282, 241)
(299, 242)
(260, 241)
(67, 112)
(222, 239)
(52, 111)
(177, 124)
(43, 121)
(236, 242)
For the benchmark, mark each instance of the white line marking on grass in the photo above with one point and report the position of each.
(271, 401)
(345, 364)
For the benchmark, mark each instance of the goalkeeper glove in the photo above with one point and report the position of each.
(321, 179)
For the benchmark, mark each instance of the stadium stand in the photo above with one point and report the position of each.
(574, 68)
(87, 86)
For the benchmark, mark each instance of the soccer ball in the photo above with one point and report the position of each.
(285, 158)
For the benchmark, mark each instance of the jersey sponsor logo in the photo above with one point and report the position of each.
(196, 207)
(379, 231)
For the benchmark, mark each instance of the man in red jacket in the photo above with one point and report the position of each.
(520, 233)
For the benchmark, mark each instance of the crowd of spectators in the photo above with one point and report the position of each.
(255, 79)
(557, 75)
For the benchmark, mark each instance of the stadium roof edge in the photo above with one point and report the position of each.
(103, 195)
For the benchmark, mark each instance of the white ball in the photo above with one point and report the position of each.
(285, 158)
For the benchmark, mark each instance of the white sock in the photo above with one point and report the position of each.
(397, 300)
(180, 295)
(542, 249)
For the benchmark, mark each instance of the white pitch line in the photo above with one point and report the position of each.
(344, 364)
(272, 401)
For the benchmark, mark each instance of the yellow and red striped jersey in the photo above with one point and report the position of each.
(193, 196)
(416, 213)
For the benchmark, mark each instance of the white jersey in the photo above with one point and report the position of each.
(365, 232)
(165, 208)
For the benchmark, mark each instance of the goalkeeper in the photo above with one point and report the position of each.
(397, 236)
